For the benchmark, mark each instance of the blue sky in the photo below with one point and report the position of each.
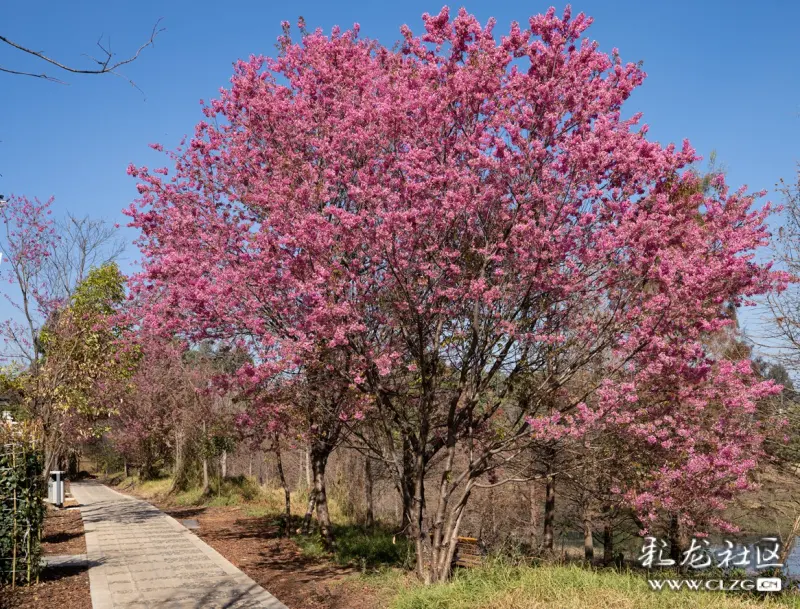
(726, 75)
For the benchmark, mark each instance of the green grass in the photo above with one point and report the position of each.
(310, 545)
(357, 547)
(376, 548)
(503, 586)
(236, 490)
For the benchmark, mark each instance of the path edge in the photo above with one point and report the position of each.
(98, 582)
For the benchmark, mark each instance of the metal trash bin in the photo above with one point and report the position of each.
(55, 488)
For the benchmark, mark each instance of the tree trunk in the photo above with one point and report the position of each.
(534, 514)
(588, 541)
(308, 469)
(493, 515)
(73, 462)
(318, 464)
(436, 550)
(205, 459)
(451, 529)
(677, 539)
(179, 472)
(287, 514)
(300, 476)
(147, 466)
(608, 544)
(370, 517)
(447, 519)
(53, 442)
(407, 483)
(407, 507)
(549, 514)
(51, 456)
(422, 541)
(312, 502)
(223, 463)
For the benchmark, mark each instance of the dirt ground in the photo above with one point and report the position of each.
(57, 589)
(255, 546)
(63, 533)
(61, 588)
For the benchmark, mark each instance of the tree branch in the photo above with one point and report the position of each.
(105, 64)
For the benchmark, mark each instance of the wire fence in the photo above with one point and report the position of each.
(21, 507)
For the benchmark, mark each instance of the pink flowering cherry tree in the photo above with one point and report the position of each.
(28, 241)
(456, 217)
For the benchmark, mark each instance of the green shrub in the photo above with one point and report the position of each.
(21, 512)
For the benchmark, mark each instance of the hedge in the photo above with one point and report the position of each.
(21, 511)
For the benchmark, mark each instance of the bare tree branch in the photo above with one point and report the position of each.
(105, 64)
(84, 243)
(43, 76)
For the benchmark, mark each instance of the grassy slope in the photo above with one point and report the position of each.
(558, 587)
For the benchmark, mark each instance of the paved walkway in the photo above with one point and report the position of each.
(140, 558)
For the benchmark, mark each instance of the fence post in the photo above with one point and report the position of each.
(14, 528)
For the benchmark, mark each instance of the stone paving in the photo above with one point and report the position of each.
(70, 561)
(140, 558)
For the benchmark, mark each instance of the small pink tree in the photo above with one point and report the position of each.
(29, 241)
(160, 408)
(456, 218)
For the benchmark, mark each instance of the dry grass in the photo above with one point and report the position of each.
(559, 587)
(240, 491)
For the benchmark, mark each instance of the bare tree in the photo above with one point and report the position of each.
(786, 306)
(83, 243)
(106, 63)
(46, 261)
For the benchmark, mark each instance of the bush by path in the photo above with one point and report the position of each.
(21, 510)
